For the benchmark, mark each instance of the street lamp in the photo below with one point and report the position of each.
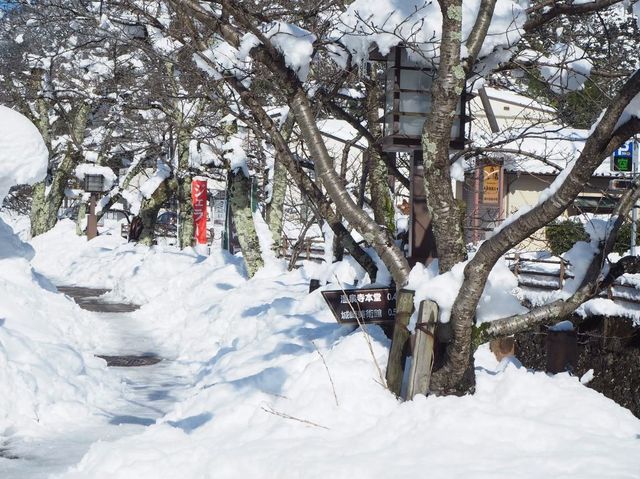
(93, 184)
(408, 85)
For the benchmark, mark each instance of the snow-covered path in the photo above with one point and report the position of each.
(149, 393)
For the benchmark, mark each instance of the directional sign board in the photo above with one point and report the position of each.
(622, 159)
(370, 306)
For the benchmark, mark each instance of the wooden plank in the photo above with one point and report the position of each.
(552, 274)
(422, 364)
(395, 365)
(533, 285)
(533, 260)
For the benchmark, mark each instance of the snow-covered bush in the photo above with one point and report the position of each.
(562, 235)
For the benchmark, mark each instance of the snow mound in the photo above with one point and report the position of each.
(284, 391)
(23, 153)
(48, 376)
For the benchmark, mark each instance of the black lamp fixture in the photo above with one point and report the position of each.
(94, 183)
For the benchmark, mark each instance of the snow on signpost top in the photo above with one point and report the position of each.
(23, 153)
(84, 169)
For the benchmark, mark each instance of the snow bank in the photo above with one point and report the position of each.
(48, 376)
(270, 406)
(284, 391)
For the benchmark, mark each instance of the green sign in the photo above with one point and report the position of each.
(621, 163)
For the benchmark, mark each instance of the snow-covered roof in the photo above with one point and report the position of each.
(507, 96)
(542, 151)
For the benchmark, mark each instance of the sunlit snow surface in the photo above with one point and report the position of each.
(251, 396)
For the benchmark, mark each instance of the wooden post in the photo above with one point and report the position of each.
(92, 220)
(395, 365)
(422, 364)
(561, 273)
(516, 268)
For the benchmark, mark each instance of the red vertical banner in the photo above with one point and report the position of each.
(199, 198)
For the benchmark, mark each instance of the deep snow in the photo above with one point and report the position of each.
(273, 387)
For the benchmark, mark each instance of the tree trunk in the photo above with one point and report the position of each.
(240, 202)
(149, 212)
(458, 376)
(186, 227)
(47, 200)
(381, 202)
(275, 208)
(82, 216)
(380, 239)
(320, 204)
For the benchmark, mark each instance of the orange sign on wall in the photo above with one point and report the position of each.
(491, 184)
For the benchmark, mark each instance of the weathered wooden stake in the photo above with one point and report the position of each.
(395, 365)
(92, 219)
(422, 364)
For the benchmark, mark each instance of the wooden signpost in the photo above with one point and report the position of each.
(369, 306)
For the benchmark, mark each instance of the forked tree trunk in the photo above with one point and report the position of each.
(381, 202)
(240, 202)
(376, 236)
(275, 208)
(149, 212)
(48, 200)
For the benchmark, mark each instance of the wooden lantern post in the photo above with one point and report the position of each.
(408, 86)
(93, 184)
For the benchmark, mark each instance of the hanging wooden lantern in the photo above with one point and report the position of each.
(408, 101)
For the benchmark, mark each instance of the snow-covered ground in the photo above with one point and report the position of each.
(264, 383)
